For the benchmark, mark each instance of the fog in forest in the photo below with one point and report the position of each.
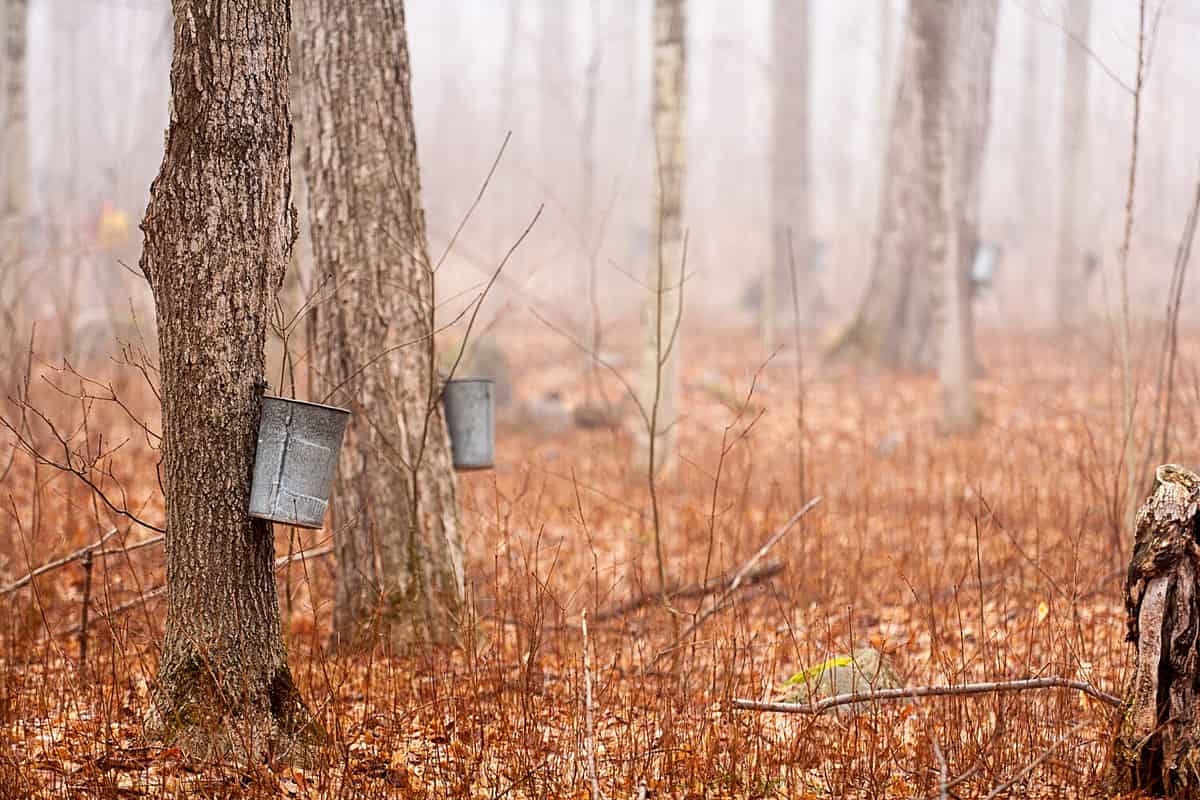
(835, 361)
(570, 79)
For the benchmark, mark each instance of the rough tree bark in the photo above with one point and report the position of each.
(1069, 269)
(1157, 742)
(14, 136)
(790, 184)
(661, 322)
(399, 548)
(218, 232)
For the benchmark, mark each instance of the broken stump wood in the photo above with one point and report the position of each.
(1157, 744)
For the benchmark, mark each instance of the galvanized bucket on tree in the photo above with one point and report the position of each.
(297, 458)
(471, 419)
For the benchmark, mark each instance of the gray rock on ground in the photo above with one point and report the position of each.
(864, 670)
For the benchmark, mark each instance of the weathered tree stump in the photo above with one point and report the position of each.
(1157, 747)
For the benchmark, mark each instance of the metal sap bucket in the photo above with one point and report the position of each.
(471, 420)
(297, 457)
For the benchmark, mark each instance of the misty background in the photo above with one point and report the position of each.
(98, 93)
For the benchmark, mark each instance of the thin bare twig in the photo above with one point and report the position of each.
(591, 734)
(1048, 752)
(85, 606)
(1128, 396)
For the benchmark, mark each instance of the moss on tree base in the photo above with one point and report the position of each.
(191, 712)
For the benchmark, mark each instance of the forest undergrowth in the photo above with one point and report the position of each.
(996, 556)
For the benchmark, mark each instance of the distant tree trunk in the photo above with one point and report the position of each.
(399, 548)
(1069, 270)
(555, 59)
(508, 221)
(1030, 161)
(791, 240)
(218, 234)
(508, 73)
(916, 312)
(968, 92)
(663, 316)
(589, 229)
(1157, 739)
(14, 137)
(884, 97)
(892, 324)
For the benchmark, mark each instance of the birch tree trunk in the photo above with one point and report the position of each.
(663, 315)
(14, 137)
(1069, 270)
(791, 246)
(218, 233)
(399, 548)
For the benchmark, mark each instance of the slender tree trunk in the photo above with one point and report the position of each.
(1069, 270)
(218, 233)
(399, 549)
(885, 93)
(934, 23)
(968, 93)
(507, 222)
(508, 76)
(14, 137)
(1030, 161)
(791, 245)
(556, 75)
(589, 228)
(663, 316)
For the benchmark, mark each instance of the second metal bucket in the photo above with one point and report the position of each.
(297, 457)
(471, 420)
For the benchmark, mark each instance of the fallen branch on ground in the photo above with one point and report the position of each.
(159, 590)
(766, 571)
(60, 562)
(1022, 685)
(738, 578)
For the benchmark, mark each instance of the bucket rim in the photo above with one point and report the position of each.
(294, 401)
(470, 380)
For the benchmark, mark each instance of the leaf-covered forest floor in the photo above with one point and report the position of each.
(984, 557)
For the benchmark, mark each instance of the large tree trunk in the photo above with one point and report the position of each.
(663, 315)
(219, 230)
(1157, 742)
(791, 245)
(14, 137)
(1069, 269)
(399, 549)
